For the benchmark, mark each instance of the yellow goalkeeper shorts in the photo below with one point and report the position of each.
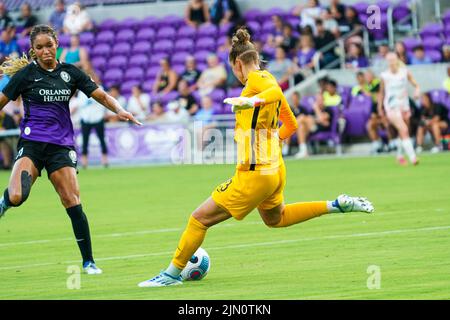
(248, 190)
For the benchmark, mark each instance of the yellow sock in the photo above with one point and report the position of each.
(301, 211)
(190, 241)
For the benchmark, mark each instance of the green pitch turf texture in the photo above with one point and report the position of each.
(137, 215)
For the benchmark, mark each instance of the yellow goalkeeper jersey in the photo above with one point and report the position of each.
(257, 133)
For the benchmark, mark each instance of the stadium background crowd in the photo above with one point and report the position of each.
(175, 69)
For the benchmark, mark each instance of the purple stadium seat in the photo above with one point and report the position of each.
(138, 60)
(218, 108)
(411, 43)
(180, 57)
(293, 21)
(222, 41)
(123, 48)
(361, 7)
(171, 21)
(149, 22)
(432, 43)
(384, 5)
(117, 62)
(217, 95)
(24, 44)
(401, 11)
(186, 32)
(166, 33)
(99, 63)
(205, 44)
(356, 120)
(254, 26)
(125, 35)
(345, 93)
(127, 86)
(147, 86)
(113, 76)
(108, 24)
(87, 39)
(252, 14)
(142, 47)
(446, 17)
(134, 73)
(308, 102)
(436, 56)
(224, 29)
(106, 36)
(201, 66)
(186, 45)
(234, 92)
(362, 103)
(152, 72)
(129, 23)
(439, 96)
(156, 58)
(101, 49)
(431, 29)
(64, 40)
(166, 98)
(165, 46)
(178, 68)
(145, 34)
(201, 56)
(207, 30)
(267, 26)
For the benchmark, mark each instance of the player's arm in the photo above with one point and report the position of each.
(112, 104)
(381, 98)
(415, 85)
(289, 122)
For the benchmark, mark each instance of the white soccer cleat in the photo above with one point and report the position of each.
(346, 203)
(90, 268)
(161, 280)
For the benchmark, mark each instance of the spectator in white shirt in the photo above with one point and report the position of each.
(139, 104)
(77, 20)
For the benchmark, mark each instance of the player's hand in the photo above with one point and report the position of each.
(242, 103)
(127, 116)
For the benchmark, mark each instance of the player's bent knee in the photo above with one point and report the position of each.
(70, 200)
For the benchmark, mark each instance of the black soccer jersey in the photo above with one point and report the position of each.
(46, 96)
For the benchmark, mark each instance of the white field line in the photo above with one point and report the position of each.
(247, 245)
(152, 231)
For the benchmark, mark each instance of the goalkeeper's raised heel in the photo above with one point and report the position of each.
(345, 203)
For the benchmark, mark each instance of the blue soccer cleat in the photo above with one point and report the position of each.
(161, 280)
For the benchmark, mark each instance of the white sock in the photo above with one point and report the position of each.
(173, 271)
(302, 148)
(409, 149)
(399, 144)
(376, 145)
(331, 206)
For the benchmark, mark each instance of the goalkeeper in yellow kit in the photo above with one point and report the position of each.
(260, 173)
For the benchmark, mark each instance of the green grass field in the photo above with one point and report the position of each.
(137, 215)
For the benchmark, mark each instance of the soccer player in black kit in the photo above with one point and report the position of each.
(47, 138)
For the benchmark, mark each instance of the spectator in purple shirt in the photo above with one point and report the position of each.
(57, 17)
(306, 52)
(355, 58)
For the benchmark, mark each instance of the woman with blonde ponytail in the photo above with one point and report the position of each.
(46, 133)
(260, 176)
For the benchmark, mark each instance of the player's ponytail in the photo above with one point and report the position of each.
(242, 48)
(12, 65)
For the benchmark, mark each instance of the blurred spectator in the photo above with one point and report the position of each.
(7, 143)
(379, 60)
(446, 83)
(306, 52)
(166, 80)
(309, 13)
(288, 41)
(320, 120)
(400, 49)
(56, 19)
(77, 20)
(176, 113)
(281, 68)
(206, 117)
(212, 77)
(324, 38)
(8, 45)
(76, 55)
(361, 87)
(264, 57)
(276, 34)
(355, 58)
(6, 23)
(351, 20)
(157, 112)
(185, 98)
(446, 53)
(191, 73)
(92, 116)
(197, 13)
(433, 119)
(26, 21)
(114, 91)
(419, 57)
(225, 47)
(224, 11)
(139, 103)
(337, 11)
(330, 23)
